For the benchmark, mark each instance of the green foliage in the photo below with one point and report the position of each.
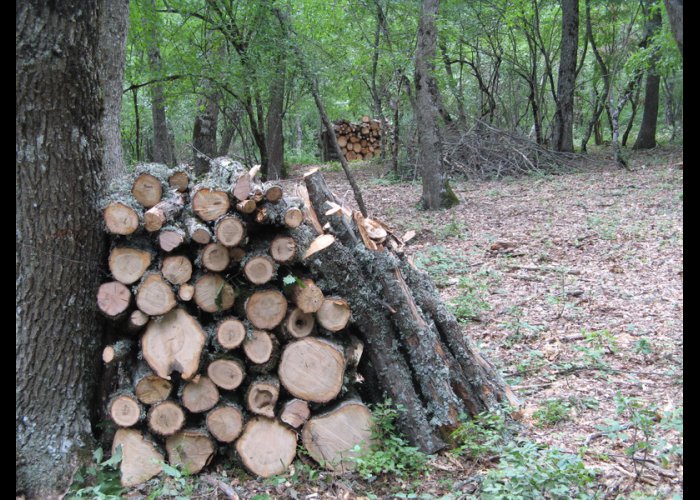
(528, 470)
(644, 430)
(99, 480)
(481, 436)
(176, 483)
(440, 265)
(390, 453)
(471, 301)
(643, 346)
(453, 229)
(552, 412)
(599, 344)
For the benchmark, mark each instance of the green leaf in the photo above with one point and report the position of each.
(115, 459)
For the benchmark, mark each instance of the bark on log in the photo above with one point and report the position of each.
(197, 231)
(157, 216)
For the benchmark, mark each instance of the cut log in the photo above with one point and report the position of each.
(246, 206)
(170, 239)
(261, 396)
(295, 413)
(298, 324)
(199, 395)
(179, 181)
(166, 418)
(283, 249)
(177, 269)
(191, 449)
(273, 192)
(230, 231)
(331, 438)
(156, 217)
(260, 347)
(215, 257)
(230, 333)
(117, 351)
(210, 204)
(226, 373)
(286, 213)
(151, 389)
(266, 447)
(120, 218)
(198, 232)
(128, 264)
(259, 269)
(213, 294)
(147, 190)
(185, 292)
(242, 187)
(266, 309)
(307, 296)
(113, 299)
(140, 459)
(154, 296)
(125, 410)
(137, 320)
(342, 141)
(174, 343)
(318, 244)
(225, 422)
(237, 254)
(334, 314)
(312, 369)
(293, 217)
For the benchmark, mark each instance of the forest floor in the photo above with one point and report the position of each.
(572, 285)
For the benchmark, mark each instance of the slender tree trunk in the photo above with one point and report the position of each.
(634, 102)
(646, 139)
(162, 147)
(231, 121)
(275, 116)
(138, 124)
(674, 8)
(204, 132)
(58, 176)
(436, 189)
(114, 23)
(563, 120)
(299, 135)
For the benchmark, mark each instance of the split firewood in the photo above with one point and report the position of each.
(191, 449)
(141, 460)
(295, 413)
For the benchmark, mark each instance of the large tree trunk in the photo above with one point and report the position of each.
(646, 139)
(436, 188)
(674, 8)
(275, 115)
(114, 23)
(58, 244)
(204, 133)
(563, 123)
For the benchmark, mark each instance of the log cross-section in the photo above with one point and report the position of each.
(312, 369)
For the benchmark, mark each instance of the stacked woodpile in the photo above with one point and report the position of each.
(226, 340)
(357, 141)
(245, 320)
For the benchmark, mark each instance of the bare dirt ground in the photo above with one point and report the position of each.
(573, 285)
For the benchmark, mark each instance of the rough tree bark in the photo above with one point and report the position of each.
(204, 133)
(646, 138)
(564, 117)
(436, 188)
(275, 115)
(58, 243)
(114, 23)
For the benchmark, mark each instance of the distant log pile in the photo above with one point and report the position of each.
(246, 319)
(357, 141)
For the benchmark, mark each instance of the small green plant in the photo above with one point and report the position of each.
(553, 412)
(533, 363)
(176, 484)
(440, 265)
(642, 431)
(600, 343)
(390, 453)
(643, 346)
(99, 480)
(470, 303)
(529, 470)
(453, 229)
(481, 436)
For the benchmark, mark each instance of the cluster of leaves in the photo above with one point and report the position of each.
(99, 480)
(471, 301)
(552, 412)
(481, 436)
(389, 453)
